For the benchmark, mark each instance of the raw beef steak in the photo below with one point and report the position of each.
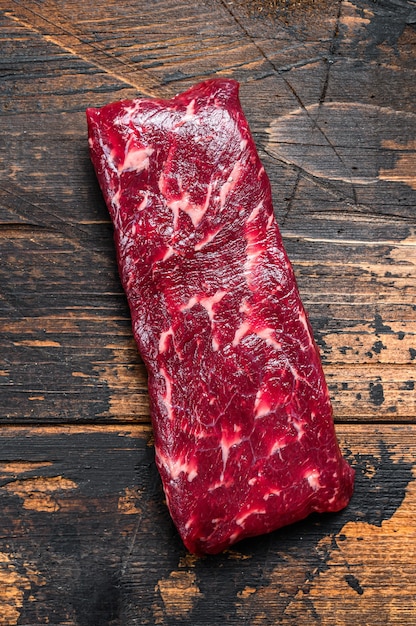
(242, 420)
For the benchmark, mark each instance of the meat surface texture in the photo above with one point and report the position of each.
(243, 429)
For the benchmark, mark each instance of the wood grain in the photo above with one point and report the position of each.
(329, 91)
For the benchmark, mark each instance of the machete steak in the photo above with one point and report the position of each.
(244, 437)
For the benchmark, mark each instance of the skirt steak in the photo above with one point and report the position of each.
(244, 437)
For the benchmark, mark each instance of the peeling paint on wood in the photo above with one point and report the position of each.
(362, 565)
(15, 583)
(179, 593)
(128, 502)
(40, 494)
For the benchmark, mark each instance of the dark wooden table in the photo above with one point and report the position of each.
(329, 88)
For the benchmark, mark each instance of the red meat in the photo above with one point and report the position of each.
(242, 421)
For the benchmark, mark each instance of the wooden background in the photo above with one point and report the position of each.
(329, 88)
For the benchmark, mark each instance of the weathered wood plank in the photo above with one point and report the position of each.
(329, 92)
(94, 383)
(56, 30)
(85, 532)
(70, 488)
(66, 312)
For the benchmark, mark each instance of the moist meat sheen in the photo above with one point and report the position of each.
(242, 421)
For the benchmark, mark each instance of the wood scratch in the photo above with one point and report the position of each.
(322, 98)
(326, 186)
(332, 50)
(315, 125)
(118, 67)
(291, 198)
(305, 109)
(128, 556)
(48, 217)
